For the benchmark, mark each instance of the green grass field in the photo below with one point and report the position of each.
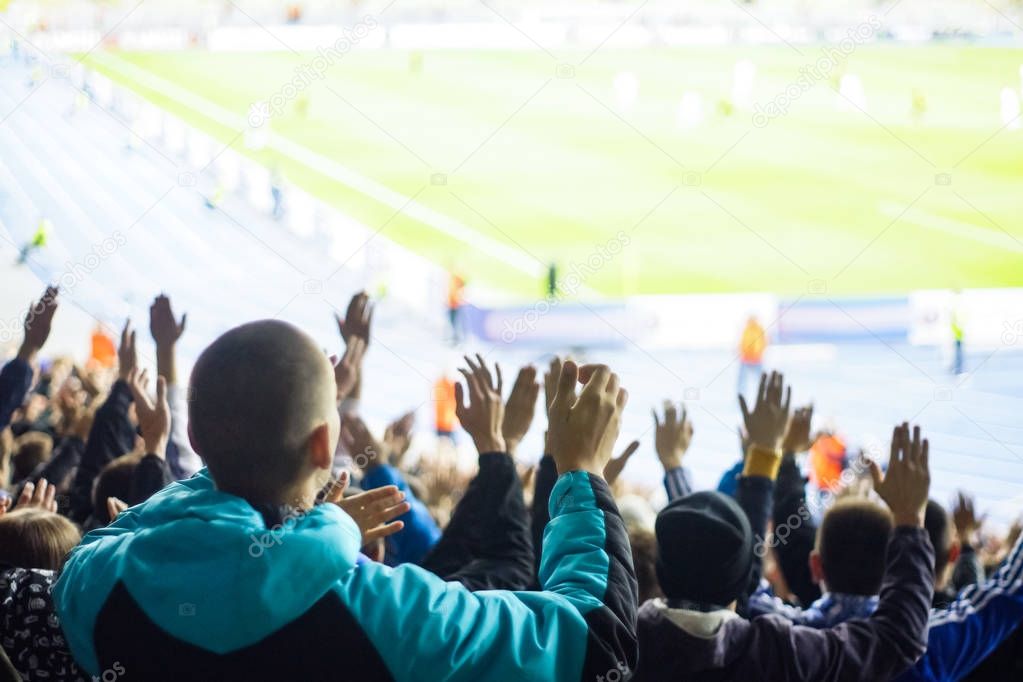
(544, 165)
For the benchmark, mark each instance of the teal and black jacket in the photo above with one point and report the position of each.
(192, 584)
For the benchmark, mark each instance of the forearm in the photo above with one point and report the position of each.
(166, 362)
(411, 543)
(677, 482)
(543, 483)
(586, 530)
(487, 544)
(182, 459)
(15, 381)
(111, 436)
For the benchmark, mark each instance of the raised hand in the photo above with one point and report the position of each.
(550, 381)
(348, 369)
(115, 506)
(41, 495)
(398, 437)
(372, 510)
(357, 320)
(797, 436)
(154, 416)
(672, 436)
(582, 428)
(615, 465)
(520, 408)
(905, 486)
(354, 328)
(766, 423)
(164, 327)
(127, 355)
(483, 417)
(38, 321)
(965, 518)
(358, 440)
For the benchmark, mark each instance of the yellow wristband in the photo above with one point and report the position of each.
(762, 462)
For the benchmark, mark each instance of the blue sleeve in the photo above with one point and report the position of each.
(15, 380)
(965, 632)
(730, 479)
(411, 543)
(677, 482)
(582, 627)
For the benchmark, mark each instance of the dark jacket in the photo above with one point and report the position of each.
(676, 644)
(487, 543)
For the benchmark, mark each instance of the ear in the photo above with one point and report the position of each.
(816, 567)
(321, 455)
(954, 550)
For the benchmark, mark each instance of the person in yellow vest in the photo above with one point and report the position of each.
(751, 352)
(957, 339)
(455, 305)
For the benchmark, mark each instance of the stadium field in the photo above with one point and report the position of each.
(915, 186)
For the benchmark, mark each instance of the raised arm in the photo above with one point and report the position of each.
(112, 434)
(582, 627)
(965, 632)
(16, 376)
(487, 543)
(890, 640)
(672, 436)
(166, 329)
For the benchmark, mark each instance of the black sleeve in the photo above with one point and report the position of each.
(487, 545)
(150, 475)
(755, 495)
(875, 648)
(111, 436)
(968, 569)
(64, 461)
(15, 380)
(795, 532)
(543, 483)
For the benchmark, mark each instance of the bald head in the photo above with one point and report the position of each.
(257, 395)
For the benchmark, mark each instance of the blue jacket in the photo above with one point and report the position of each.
(193, 583)
(974, 625)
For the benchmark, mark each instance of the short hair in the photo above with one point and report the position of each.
(939, 528)
(853, 546)
(114, 480)
(36, 538)
(30, 450)
(644, 559)
(255, 395)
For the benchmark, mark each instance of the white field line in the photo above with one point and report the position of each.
(401, 203)
(988, 236)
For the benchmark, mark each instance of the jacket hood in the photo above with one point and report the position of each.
(680, 642)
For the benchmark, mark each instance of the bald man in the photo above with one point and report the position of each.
(237, 573)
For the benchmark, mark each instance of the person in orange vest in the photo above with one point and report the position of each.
(827, 462)
(456, 303)
(444, 403)
(751, 352)
(103, 352)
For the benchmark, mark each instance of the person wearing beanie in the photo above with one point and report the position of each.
(708, 558)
